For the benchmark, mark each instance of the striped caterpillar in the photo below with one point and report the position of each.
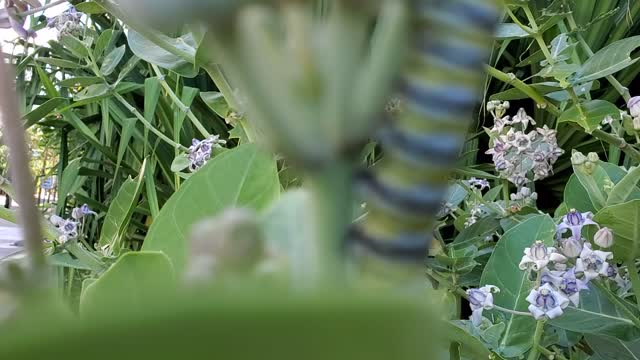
(438, 89)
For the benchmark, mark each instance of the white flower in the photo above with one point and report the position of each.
(574, 220)
(546, 301)
(479, 183)
(479, 300)
(607, 120)
(603, 237)
(523, 118)
(538, 256)
(634, 106)
(593, 262)
(567, 282)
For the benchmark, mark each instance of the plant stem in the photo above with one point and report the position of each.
(536, 35)
(537, 335)
(331, 195)
(619, 142)
(144, 121)
(550, 354)
(179, 102)
(635, 279)
(511, 79)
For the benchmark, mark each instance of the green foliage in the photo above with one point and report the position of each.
(502, 271)
(243, 177)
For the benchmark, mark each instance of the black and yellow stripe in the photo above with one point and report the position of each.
(438, 90)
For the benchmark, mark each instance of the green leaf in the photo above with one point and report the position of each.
(608, 60)
(472, 347)
(135, 280)
(593, 112)
(182, 64)
(80, 81)
(243, 176)
(611, 348)
(502, 271)
(42, 111)
(626, 189)
(101, 44)
(90, 7)
(65, 259)
(66, 64)
(180, 163)
(74, 45)
(506, 31)
(216, 102)
(623, 220)
(99, 91)
(112, 60)
(593, 184)
(597, 315)
(69, 183)
(121, 208)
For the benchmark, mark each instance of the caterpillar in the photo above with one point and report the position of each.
(437, 90)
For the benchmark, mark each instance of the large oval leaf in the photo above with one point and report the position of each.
(502, 271)
(626, 189)
(185, 45)
(611, 348)
(136, 279)
(624, 220)
(597, 315)
(243, 176)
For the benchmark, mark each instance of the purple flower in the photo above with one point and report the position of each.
(574, 221)
(546, 301)
(479, 300)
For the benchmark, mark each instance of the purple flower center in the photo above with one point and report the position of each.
(574, 218)
(477, 297)
(545, 300)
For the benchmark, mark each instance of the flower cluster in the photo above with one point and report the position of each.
(524, 197)
(67, 23)
(70, 229)
(516, 154)
(561, 271)
(634, 110)
(200, 151)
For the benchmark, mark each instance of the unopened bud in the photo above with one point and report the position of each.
(636, 123)
(593, 157)
(571, 247)
(577, 158)
(603, 238)
(634, 106)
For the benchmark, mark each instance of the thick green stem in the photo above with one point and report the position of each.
(635, 279)
(537, 335)
(331, 195)
(512, 80)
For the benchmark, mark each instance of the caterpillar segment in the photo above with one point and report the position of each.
(438, 90)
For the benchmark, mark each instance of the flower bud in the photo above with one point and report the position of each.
(571, 247)
(604, 237)
(634, 106)
(636, 123)
(577, 158)
(593, 157)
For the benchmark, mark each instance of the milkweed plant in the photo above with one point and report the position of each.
(470, 166)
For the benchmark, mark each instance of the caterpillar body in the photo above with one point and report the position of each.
(437, 90)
